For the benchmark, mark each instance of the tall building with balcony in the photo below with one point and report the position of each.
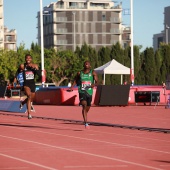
(126, 36)
(1, 25)
(167, 24)
(72, 23)
(164, 36)
(8, 38)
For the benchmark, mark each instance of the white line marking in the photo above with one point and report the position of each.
(15, 168)
(97, 131)
(97, 166)
(85, 153)
(88, 139)
(22, 160)
(165, 165)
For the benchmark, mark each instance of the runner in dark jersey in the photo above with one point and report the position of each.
(86, 80)
(30, 70)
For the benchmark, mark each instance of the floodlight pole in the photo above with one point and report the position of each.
(42, 43)
(74, 14)
(132, 52)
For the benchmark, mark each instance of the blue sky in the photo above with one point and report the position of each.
(148, 19)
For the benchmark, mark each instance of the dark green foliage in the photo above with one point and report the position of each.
(150, 68)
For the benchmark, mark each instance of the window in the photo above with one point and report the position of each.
(103, 17)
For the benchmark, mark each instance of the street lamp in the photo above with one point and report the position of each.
(132, 53)
(74, 14)
(167, 28)
(42, 44)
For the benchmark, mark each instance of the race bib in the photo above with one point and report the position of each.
(85, 85)
(29, 75)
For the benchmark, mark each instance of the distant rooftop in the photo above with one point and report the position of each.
(85, 4)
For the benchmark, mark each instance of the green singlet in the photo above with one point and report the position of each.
(85, 81)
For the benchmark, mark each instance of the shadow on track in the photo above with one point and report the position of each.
(150, 129)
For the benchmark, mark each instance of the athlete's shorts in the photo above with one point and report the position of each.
(31, 86)
(85, 97)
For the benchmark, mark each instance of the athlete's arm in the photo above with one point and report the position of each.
(36, 69)
(95, 79)
(76, 79)
(38, 72)
(15, 78)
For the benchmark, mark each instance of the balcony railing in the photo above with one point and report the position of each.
(60, 42)
(116, 31)
(115, 20)
(60, 19)
(59, 7)
(10, 40)
(77, 7)
(113, 42)
(60, 31)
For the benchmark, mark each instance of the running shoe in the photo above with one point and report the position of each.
(29, 116)
(87, 126)
(20, 106)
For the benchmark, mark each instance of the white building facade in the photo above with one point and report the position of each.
(164, 36)
(72, 23)
(8, 38)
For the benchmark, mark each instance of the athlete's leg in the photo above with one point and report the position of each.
(32, 99)
(88, 100)
(84, 110)
(32, 96)
(87, 109)
(83, 103)
(28, 100)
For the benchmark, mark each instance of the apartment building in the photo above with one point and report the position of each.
(164, 36)
(8, 38)
(72, 23)
(1, 25)
(167, 24)
(157, 39)
(126, 36)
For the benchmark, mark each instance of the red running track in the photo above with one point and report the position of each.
(40, 144)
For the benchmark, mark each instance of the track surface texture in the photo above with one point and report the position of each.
(119, 138)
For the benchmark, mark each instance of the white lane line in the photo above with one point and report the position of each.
(94, 140)
(96, 131)
(25, 161)
(17, 168)
(97, 166)
(165, 165)
(85, 153)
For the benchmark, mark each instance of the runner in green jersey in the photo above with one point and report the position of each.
(86, 79)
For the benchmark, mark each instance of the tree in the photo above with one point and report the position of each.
(158, 63)
(63, 66)
(136, 63)
(116, 53)
(165, 52)
(104, 57)
(149, 68)
(8, 64)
